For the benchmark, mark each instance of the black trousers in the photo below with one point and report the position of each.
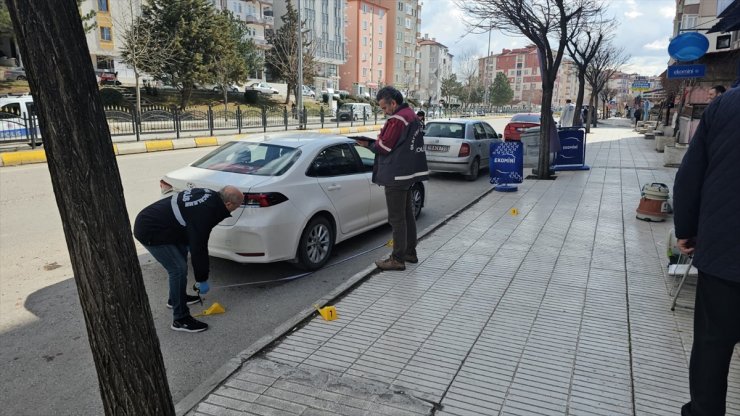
(716, 331)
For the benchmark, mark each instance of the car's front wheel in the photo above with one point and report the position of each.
(417, 198)
(474, 170)
(316, 244)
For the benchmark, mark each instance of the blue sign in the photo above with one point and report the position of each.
(686, 71)
(688, 46)
(506, 163)
(572, 154)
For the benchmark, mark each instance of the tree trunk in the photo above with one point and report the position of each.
(579, 99)
(137, 116)
(89, 195)
(543, 164)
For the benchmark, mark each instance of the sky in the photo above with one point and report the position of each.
(644, 29)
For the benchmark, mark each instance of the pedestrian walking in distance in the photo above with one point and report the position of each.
(171, 227)
(707, 225)
(400, 162)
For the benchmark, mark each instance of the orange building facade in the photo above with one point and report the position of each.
(367, 47)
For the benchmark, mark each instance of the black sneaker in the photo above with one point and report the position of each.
(189, 299)
(188, 324)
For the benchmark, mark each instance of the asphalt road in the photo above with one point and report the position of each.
(46, 366)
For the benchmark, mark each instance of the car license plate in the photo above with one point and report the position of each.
(437, 148)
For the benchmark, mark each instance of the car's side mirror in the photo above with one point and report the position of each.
(500, 136)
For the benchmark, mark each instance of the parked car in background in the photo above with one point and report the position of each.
(263, 88)
(229, 88)
(354, 111)
(518, 123)
(308, 92)
(459, 146)
(17, 73)
(304, 192)
(16, 112)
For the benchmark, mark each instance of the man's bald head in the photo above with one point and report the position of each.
(233, 198)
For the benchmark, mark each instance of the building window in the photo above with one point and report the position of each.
(364, 72)
(400, 6)
(105, 34)
(380, 44)
(364, 41)
(380, 29)
(103, 5)
(380, 59)
(408, 23)
(381, 13)
(689, 21)
(364, 25)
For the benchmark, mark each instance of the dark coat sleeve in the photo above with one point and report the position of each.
(687, 188)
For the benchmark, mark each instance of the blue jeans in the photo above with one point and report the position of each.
(174, 258)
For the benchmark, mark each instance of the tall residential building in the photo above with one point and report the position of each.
(522, 68)
(566, 84)
(325, 22)
(487, 69)
(404, 21)
(435, 62)
(367, 47)
(259, 19)
(104, 41)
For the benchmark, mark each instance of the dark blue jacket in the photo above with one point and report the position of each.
(706, 193)
(400, 158)
(190, 223)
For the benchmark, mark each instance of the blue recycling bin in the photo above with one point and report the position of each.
(506, 165)
(572, 154)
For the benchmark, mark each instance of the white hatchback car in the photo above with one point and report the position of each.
(459, 146)
(304, 192)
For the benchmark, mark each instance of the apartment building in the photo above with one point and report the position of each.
(487, 69)
(325, 22)
(104, 41)
(257, 14)
(367, 47)
(404, 21)
(435, 63)
(522, 68)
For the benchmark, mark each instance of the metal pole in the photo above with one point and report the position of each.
(299, 88)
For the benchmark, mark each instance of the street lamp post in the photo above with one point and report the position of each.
(299, 87)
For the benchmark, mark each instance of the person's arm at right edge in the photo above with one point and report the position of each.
(687, 187)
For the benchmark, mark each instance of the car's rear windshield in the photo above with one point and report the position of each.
(448, 130)
(253, 158)
(526, 118)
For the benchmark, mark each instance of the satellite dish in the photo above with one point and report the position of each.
(688, 46)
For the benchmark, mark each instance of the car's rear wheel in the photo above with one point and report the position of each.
(474, 170)
(316, 244)
(417, 198)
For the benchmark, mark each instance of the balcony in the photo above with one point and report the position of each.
(250, 18)
(269, 20)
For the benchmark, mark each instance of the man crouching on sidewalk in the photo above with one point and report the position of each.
(400, 162)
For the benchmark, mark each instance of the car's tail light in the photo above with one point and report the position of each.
(164, 187)
(264, 199)
(464, 150)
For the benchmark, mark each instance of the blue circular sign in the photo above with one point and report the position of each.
(688, 46)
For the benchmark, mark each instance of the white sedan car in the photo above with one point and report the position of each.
(304, 192)
(263, 88)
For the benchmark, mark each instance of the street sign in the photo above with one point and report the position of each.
(686, 71)
(639, 85)
(572, 154)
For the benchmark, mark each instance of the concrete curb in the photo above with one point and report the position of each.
(230, 367)
(24, 157)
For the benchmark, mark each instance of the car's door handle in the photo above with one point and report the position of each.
(333, 187)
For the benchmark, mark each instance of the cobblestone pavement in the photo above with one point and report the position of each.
(561, 309)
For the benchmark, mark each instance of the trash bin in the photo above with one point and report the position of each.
(530, 139)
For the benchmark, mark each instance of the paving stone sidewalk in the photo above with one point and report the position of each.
(562, 309)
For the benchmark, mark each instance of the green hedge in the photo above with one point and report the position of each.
(111, 96)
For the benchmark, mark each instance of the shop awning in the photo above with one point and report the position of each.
(729, 19)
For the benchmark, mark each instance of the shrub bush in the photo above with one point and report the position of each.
(251, 96)
(111, 96)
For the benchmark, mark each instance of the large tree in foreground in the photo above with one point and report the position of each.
(549, 25)
(89, 195)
